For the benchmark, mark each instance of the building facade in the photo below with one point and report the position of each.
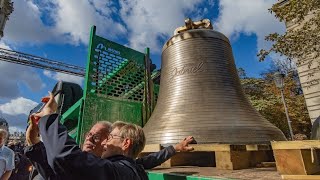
(309, 73)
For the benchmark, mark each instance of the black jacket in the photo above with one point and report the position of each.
(65, 157)
(37, 154)
(38, 157)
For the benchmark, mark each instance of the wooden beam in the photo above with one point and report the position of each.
(306, 144)
(296, 161)
(258, 147)
(206, 147)
(211, 147)
(266, 164)
(300, 177)
(151, 148)
(218, 147)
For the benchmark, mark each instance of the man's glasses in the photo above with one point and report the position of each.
(96, 137)
(114, 136)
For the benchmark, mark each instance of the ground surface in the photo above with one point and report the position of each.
(244, 174)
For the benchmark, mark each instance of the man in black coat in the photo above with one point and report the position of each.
(122, 146)
(36, 151)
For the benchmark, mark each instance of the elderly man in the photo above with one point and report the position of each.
(6, 157)
(94, 138)
(36, 151)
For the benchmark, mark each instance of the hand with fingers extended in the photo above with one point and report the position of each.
(50, 107)
(183, 146)
(32, 133)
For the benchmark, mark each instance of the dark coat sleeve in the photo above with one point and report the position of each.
(36, 153)
(155, 159)
(38, 157)
(65, 156)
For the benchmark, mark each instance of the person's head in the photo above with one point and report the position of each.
(3, 136)
(10, 145)
(124, 139)
(95, 136)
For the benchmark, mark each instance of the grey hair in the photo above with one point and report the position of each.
(106, 124)
(5, 132)
(136, 134)
(118, 124)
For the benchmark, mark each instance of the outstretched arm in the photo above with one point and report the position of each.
(155, 159)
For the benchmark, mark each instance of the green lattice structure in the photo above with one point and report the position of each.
(117, 87)
(114, 84)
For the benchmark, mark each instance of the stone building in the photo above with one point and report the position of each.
(309, 76)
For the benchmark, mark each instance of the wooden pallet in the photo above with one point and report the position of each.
(300, 177)
(222, 156)
(297, 157)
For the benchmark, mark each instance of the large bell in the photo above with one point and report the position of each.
(201, 95)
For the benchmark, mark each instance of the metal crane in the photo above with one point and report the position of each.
(39, 62)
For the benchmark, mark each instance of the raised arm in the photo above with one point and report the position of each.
(63, 153)
(155, 159)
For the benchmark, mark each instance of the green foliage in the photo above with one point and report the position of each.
(266, 98)
(241, 72)
(294, 9)
(301, 43)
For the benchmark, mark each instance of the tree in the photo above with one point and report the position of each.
(266, 98)
(301, 43)
(242, 73)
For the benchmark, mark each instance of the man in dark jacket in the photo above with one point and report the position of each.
(36, 152)
(65, 157)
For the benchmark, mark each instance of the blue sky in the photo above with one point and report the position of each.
(59, 30)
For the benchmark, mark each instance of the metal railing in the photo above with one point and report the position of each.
(39, 62)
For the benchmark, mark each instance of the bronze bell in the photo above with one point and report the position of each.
(201, 95)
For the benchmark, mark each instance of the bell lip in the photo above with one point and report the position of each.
(195, 33)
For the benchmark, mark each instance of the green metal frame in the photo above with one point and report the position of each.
(73, 114)
(118, 86)
(113, 71)
(174, 176)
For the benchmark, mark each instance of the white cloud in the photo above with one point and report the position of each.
(25, 25)
(150, 20)
(4, 45)
(60, 21)
(63, 77)
(75, 17)
(249, 17)
(18, 106)
(15, 74)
